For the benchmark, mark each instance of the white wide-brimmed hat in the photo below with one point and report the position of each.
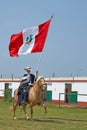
(27, 68)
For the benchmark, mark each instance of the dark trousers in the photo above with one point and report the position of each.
(23, 93)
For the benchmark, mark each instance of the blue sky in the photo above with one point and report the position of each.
(65, 49)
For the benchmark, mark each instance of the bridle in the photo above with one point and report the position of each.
(43, 86)
(43, 91)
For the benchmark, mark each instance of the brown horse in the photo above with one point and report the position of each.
(34, 97)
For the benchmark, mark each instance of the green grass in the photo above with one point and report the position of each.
(55, 119)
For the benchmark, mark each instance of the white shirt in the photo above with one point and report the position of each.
(25, 79)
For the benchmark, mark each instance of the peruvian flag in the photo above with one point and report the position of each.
(30, 40)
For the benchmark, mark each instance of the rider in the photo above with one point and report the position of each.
(26, 82)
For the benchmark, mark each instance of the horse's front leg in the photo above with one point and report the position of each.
(44, 106)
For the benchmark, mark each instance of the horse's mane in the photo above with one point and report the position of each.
(40, 77)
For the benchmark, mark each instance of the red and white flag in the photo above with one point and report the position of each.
(30, 40)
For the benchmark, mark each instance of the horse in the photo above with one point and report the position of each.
(34, 97)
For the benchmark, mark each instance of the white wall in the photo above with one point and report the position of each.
(14, 85)
(82, 89)
(57, 88)
(1, 89)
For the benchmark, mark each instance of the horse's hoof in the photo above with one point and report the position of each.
(28, 118)
(15, 118)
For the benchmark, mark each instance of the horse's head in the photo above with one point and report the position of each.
(42, 84)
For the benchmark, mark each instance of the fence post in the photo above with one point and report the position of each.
(59, 100)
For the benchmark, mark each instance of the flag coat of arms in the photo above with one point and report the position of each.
(30, 40)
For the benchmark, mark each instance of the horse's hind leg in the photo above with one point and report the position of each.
(14, 110)
(24, 109)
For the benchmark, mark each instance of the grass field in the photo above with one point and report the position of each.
(55, 119)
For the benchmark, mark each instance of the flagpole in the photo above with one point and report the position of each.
(38, 64)
(51, 17)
